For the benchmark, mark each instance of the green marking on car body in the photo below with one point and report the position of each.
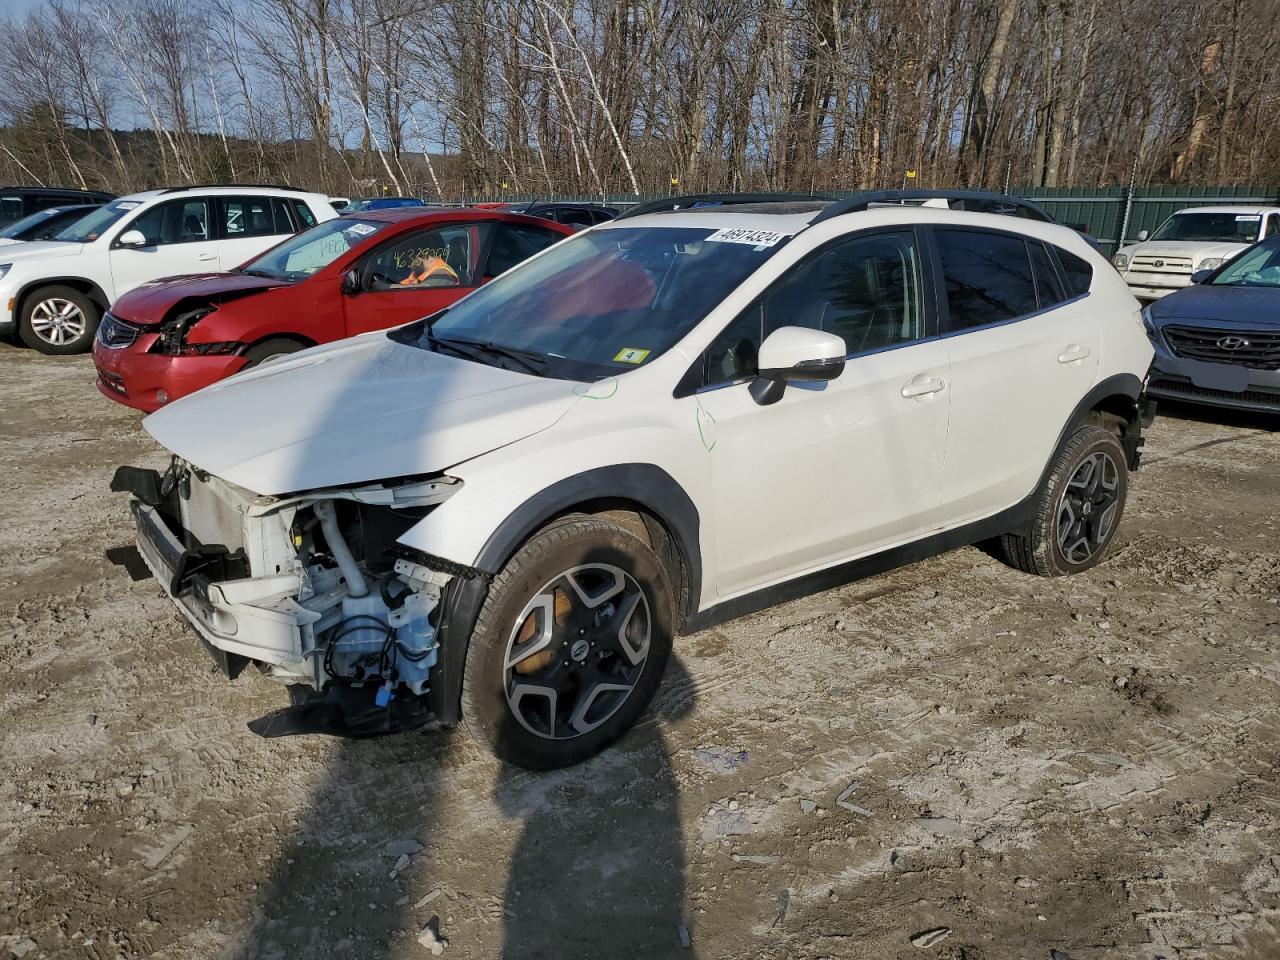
(597, 390)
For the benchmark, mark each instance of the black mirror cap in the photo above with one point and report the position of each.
(769, 385)
(1200, 276)
(352, 282)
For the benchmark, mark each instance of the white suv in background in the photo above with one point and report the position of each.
(505, 512)
(1191, 241)
(53, 292)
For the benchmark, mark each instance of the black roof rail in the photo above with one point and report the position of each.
(714, 200)
(862, 201)
(232, 186)
(572, 204)
(69, 191)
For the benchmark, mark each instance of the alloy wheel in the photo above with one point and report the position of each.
(577, 651)
(57, 321)
(1087, 510)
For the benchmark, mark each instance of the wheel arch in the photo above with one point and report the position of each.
(1113, 403)
(83, 284)
(639, 496)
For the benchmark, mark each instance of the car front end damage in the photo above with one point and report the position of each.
(313, 589)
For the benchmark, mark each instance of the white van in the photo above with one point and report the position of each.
(1192, 240)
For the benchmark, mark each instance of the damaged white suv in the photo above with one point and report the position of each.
(502, 514)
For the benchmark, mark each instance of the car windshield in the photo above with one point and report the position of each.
(1221, 227)
(601, 303)
(1258, 267)
(302, 255)
(89, 227)
(15, 230)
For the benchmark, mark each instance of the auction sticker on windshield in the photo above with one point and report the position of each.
(753, 238)
(361, 228)
(631, 355)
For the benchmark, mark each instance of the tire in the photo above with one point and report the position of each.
(583, 605)
(1069, 536)
(58, 321)
(270, 350)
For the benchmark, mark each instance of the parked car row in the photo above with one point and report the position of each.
(503, 512)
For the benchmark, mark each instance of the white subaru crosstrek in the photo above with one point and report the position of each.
(54, 292)
(505, 512)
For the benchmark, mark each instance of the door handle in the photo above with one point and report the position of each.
(207, 257)
(922, 386)
(1073, 353)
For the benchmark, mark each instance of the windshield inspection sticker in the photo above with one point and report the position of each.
(128, 204)
(630, 355)
(361, 228)
(753, 238)
(1248, 218)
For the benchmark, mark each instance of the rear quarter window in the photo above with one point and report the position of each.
(1078, 271)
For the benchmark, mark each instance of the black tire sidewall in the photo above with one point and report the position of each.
(552, 551)
(262, 352)
(1083, 443)
(82, 344)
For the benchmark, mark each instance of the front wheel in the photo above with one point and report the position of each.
(1078, 508)
(59, 320)
(569, 646)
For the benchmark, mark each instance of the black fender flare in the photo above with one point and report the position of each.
(644, 484)
(94, 293)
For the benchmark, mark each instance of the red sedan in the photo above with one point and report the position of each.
(361, 272)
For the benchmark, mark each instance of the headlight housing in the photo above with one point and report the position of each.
(1120, 261)
(1209, 263)
(1148, 325)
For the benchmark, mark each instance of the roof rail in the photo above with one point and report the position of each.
(862, 201)
(713, 200)
(232, 186)
(576, 204)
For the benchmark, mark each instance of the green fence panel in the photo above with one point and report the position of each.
(1104, 212)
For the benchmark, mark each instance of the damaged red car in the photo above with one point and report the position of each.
(361, 272)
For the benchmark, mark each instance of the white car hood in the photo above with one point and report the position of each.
(1197, 250)
(355, 411)
(38, 249)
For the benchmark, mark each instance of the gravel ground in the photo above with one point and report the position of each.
(1086, 765)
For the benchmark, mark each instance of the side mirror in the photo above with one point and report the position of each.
(352, 282)
(132, 238)
(1142, 236)
(1200, 276)
(797, 354)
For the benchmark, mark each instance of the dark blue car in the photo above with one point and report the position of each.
(1218, 342)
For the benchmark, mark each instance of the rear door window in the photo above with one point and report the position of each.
(249, 217)
(1048, 288)
(988, 277)
(514, 243)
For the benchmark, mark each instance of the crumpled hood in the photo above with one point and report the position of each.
(1197, 250)
(151, 302)
(35, 249)
(1249, 306)
(355, 411)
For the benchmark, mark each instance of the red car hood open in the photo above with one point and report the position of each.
(152, 302)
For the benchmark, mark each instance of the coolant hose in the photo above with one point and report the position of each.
(356, 587)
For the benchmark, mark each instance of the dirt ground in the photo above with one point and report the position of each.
(1085, 765)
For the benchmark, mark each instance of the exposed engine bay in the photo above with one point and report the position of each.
(313, 588)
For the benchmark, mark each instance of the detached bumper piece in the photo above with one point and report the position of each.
(349, 712)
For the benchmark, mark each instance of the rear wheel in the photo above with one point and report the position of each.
(59, 320)
(569, 646)
(1079, 508)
